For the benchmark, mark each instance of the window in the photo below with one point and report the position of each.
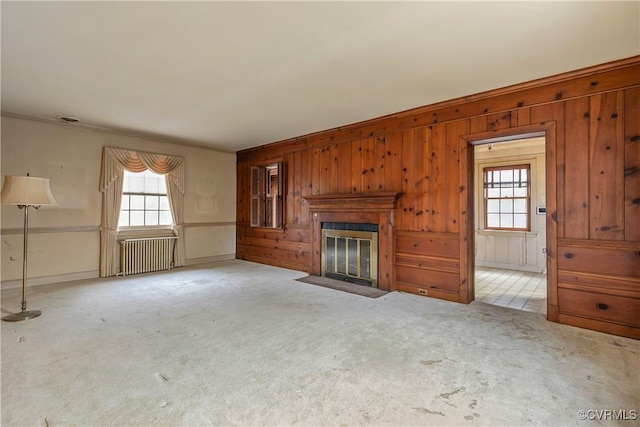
(267, 190)
(144, 200)
(506, 197)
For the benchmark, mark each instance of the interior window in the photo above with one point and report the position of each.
(144, 200)
(267, 190)
(507, 193)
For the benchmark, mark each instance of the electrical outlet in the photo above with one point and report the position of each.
(422, 291)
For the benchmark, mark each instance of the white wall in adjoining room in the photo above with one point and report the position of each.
(64, 241)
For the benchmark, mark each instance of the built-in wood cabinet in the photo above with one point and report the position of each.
(591, 122)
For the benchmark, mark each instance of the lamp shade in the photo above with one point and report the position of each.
(27, 191)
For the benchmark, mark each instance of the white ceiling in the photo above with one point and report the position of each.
(234, 75)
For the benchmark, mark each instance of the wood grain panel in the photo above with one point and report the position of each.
(306, 178)
(632, 165)
(499, 121)
(621, 261)
(455, 130)
(343, 168)
(326, 165)
(425, 243)
(393, 163)
(437, 180)
(614, 285)
(451, 265)
(606, 164)
(576, 170)
(316, 170)
(290, 204)
(595, 305)
(368, 165)
(521, 117)
(380, 157)
(422, 183)
(356, 166)
(407, 202)
(429, 279)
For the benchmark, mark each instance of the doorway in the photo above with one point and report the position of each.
(510, 223)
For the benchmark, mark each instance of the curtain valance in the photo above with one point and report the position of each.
(115, 160)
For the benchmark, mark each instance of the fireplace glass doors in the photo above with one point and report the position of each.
(351, 256)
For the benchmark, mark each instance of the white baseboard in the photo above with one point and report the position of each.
(47, 280)
(207, 259)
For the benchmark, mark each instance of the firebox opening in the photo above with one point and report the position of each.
(350, 252)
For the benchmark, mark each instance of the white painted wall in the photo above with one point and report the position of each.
(516, 250)
(64, 242)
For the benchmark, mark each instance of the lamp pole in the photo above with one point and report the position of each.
(24, 314)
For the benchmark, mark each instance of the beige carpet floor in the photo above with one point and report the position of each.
(237, 343)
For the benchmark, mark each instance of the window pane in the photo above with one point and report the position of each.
(164, 203)
(493, 206)
(493, 192)
(151, 218)
(520, 221)
(520, 205)
(506, 205)
(488, 177)
(165, 218)
(151, 185)
(493, 220)
(506, 220)
(123, 221)
(162, 185)
(136, 184)
(151, 203)
(125, 182)
(520, 192)
(136, 219)
(506, 176)
(125, 202)
(137, 202)
(524, 174)
(506, 192)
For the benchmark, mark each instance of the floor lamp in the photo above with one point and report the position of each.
(26, 192)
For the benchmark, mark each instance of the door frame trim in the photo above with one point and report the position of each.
(467, 207)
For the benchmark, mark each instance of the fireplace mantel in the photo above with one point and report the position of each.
(369, 202)
(366, 208)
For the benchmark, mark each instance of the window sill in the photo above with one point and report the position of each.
(514, 233)
(135, 232)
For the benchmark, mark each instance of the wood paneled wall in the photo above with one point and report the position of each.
(592, 121)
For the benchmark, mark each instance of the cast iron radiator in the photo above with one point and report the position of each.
(145, 255)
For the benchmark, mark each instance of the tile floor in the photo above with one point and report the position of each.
(521, 290)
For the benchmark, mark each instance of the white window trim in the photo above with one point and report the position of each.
(529, 159)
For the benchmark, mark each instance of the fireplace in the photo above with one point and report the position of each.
(350, 252)
(370, 209)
